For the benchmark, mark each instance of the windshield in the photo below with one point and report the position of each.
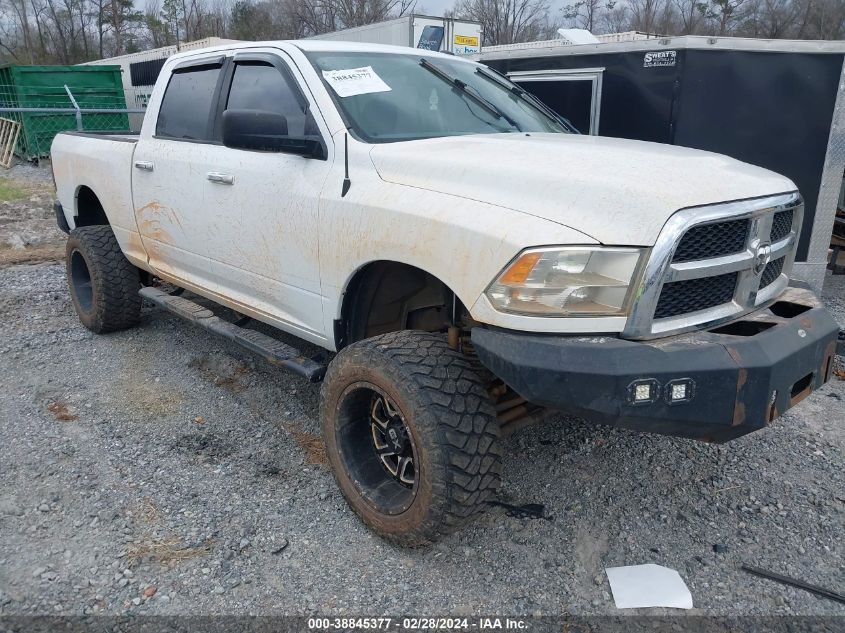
(388, 97)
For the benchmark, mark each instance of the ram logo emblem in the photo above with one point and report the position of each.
(762, 256)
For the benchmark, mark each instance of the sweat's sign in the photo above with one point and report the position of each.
(660, 58)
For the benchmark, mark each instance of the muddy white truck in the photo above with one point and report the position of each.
(472, 260)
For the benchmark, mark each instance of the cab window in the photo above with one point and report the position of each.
(259, 85)
(186, 107)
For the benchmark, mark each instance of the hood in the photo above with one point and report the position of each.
(614, 190)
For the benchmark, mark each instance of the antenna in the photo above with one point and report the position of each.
(346, 182)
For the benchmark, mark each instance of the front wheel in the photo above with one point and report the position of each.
(411, 435)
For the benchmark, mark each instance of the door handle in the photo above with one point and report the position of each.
(220, 179)
(143, 165)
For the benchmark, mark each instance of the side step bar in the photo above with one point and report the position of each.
(272, 350)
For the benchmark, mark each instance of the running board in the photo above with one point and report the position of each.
(272, 350)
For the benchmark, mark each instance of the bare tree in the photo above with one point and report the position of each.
(645, 14)
(691, 14)
(72, 31)
(724, 15)
(20, 25)
(588, 14)
(507, 21)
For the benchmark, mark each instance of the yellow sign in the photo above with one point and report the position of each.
(466, 40)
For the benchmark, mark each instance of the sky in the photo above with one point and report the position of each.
(437, 7)
(433, 7)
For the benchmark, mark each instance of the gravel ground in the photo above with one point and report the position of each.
(165, 471)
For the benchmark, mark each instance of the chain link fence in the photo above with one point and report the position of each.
(60, 110)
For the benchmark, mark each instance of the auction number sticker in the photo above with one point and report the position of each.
(355, 81)
(654, 59)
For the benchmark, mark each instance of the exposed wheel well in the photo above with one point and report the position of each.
(387, 297)
(89, 211)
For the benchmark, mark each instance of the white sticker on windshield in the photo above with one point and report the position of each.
(355, 81)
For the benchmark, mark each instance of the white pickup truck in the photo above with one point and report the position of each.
(472, 260)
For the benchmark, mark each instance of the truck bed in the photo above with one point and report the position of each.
(101, 161)
(125, 137)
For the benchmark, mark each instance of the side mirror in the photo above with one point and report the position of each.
(268, 132)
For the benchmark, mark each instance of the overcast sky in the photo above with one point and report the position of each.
(433, 7)
(437, 7)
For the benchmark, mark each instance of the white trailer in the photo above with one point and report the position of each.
(140, 70)
(450, 35)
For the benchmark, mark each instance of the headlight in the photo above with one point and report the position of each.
(567, 281)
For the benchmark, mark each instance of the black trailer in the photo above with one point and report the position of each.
(774, 103)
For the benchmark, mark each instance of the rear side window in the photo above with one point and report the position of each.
(186, 107)
(261, 86)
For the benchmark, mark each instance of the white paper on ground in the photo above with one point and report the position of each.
(355, 81)
(649, 585)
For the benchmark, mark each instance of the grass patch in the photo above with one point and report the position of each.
(166, 550)
(12, 190)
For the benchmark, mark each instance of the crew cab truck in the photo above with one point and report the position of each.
(469, 257)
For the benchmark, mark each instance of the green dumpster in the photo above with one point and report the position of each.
(44, 87)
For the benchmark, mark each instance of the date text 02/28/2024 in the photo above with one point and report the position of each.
(416, 624)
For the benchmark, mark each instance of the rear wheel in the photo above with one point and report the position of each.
(103, 283)
(411, 435)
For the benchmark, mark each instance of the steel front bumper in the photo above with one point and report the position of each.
(711, 385)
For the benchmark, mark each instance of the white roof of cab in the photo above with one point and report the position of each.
(320, 45)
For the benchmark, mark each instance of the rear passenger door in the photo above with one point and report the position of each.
(272, 263)
(178, 230)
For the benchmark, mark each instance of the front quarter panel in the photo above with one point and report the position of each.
(462, 242)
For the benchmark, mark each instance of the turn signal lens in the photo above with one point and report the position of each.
(518, 272)
(573, 281)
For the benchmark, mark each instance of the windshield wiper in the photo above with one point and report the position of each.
(469, 91)
(503, 83)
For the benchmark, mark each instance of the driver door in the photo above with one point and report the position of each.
(270, 261)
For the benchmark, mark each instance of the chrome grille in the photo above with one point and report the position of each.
(781, 225)
(712, 240)
(771, 272)
(700, 273)
(681, 297)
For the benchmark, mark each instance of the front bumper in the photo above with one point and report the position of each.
(710, 385)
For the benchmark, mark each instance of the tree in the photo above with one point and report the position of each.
(172, 14)
(73, 31)
(251, 21)
(691, 14)
(507, 21)
(122, 17)
(312, 17)
(723, 14)
(645, 14)
(588, 14)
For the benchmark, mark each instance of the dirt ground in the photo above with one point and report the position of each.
(28, 231)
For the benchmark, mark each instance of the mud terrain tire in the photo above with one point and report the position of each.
(103, 284)
(413, 380)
